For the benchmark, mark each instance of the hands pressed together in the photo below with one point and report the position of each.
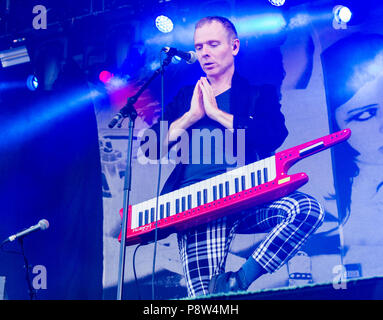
(203, 101)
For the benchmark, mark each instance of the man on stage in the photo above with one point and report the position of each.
(224, 100)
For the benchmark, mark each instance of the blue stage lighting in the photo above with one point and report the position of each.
(32, 82)
(164, 24)
(277, 3)
(342, 14)
(260, 24)
(22, 126)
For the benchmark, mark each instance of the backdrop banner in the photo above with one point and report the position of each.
(329, 79)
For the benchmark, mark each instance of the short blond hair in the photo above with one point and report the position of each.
(226, 23)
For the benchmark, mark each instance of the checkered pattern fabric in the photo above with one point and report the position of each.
(289, 221)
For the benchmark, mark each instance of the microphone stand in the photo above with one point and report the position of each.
(128, 111)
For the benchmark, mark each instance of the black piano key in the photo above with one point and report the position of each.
(215, 195)
(162, 207)
(146, 216)
(189, 201)
(252, 179)
(265, 174)
(199, 198)
(152, 217)
(177, 205)
(236, 185)
(243, 182)
(183, 204)
(168, 209)
(140, 215)
(220, 187)
(227, 188)
(204, 196)
(259, 176)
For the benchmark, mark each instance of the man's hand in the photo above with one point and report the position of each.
(203, 103)
(196, 111)
(211, 107)
(208, 98)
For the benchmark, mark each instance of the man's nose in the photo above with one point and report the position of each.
(205, 51)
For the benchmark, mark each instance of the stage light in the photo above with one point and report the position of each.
(342, 14)
(105, 76)
(277, 3)
(32, 82)
(14, 56)
(164, 24)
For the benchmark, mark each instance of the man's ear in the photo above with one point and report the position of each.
(235, 46)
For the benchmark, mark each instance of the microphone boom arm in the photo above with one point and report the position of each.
(128, 111)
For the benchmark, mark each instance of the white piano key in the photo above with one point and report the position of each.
(134, 216)
(272, 167)
(193, 192)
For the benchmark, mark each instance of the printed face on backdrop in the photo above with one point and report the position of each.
(363, 114)
(215, 48)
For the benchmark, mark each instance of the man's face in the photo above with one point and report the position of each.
(215, 49)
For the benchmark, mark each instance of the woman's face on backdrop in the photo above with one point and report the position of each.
(363, 114)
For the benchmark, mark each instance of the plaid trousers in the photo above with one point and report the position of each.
(289, 221)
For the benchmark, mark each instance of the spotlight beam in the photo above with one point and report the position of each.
(23, 126)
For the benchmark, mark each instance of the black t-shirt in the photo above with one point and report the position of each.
(209, 137)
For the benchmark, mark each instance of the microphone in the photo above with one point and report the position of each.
(42, 225)
(190, 57)
(114, 120)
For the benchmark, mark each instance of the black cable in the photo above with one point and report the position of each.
(134, 271)
(32, 292)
